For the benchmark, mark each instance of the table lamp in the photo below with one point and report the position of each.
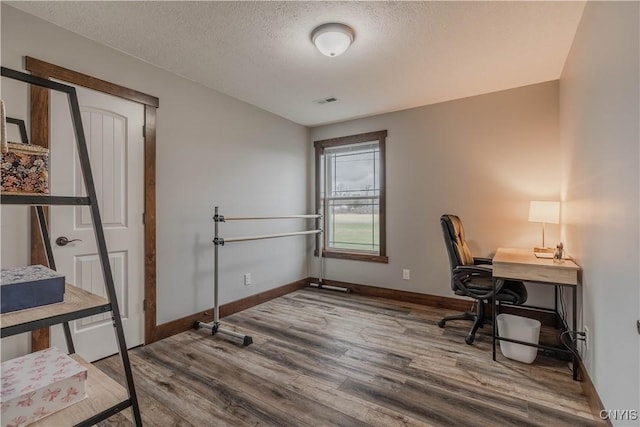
(544, 212)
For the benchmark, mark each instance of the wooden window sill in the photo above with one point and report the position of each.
(356, 256)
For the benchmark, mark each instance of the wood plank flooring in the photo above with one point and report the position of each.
(321, 358)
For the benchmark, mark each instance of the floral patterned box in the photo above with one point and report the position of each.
(28, 287)
(39, 384)
(24, 169)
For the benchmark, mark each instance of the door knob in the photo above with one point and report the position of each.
(63, 241)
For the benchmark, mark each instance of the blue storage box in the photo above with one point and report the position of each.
(28, 287)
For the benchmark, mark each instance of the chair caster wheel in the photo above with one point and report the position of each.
(441, 323)
(469, 340)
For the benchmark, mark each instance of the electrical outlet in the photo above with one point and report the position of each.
(247, 279)
(586, 337)
(406, 274)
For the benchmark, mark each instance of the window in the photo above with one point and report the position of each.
(350, 192)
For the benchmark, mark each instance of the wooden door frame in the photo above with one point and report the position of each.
(39, 102)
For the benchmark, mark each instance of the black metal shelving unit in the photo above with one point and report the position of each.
(78, 303)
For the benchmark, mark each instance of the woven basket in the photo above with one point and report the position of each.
(23, 167)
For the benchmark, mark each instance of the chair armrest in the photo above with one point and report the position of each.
(480, 261)
(471, 269)
(462, 272)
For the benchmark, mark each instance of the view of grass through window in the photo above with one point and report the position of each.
(355, 231)
(352, 178)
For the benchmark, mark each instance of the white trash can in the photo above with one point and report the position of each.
(521, 329)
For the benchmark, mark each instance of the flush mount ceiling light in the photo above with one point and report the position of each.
(332, 39)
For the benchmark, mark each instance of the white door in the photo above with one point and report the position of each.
(113, 129)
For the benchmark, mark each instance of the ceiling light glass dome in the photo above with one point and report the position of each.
(332, 39)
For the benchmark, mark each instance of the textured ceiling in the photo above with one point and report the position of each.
(405, 54)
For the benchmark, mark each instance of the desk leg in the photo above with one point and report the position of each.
(575, 328)
(494, 315)
(555, 306)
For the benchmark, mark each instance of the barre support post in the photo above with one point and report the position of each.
(216, 306)
(214, 327)
(320, 284)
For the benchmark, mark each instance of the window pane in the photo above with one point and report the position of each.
(354, 224)
(353, 172)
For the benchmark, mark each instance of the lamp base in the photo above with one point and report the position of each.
(543, 250)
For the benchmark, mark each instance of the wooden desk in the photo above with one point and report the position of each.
(522, 264)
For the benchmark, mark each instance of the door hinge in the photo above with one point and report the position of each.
(144, 305)
(144, 218)
(144, 131)
(638, 326)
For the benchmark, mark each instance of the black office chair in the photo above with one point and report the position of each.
(473, 277)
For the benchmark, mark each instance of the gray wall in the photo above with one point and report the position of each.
(483, 158)
(211, 149)
(599, 114)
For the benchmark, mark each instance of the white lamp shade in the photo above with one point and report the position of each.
(332, 39)
(547, 212)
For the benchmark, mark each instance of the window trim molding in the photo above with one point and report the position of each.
(381, 137)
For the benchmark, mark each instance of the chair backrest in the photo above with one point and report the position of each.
(457, 248)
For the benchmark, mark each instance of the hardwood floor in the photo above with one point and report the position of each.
(321, 358)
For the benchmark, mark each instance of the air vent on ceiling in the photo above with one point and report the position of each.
(326, 100)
